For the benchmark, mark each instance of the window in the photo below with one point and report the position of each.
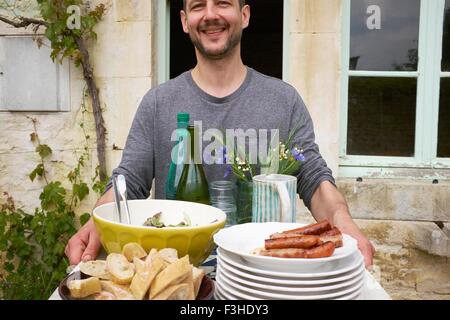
(262, 48)
(29, 80)
(396, 87)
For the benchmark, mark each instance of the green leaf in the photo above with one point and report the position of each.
(43, 150)
(100, 186)
(9, 267)
(84, 218)
(9, 255)
(53, 194)
(38, 171)
(81, 190)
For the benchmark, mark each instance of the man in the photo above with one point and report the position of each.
(223, 93)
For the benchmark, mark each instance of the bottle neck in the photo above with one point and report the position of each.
(182, 125)
(193, 144)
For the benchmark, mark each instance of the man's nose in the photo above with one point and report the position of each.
(211, 10)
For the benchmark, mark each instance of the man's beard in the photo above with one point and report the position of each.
(231, 43)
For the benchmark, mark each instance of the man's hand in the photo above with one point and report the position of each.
(328, 203)
(84, 245)
(347, 226)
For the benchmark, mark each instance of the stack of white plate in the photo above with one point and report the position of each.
(242, 275)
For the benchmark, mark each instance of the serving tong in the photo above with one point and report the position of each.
(120, 191)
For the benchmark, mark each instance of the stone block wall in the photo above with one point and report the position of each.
(122, 62)
(408, 221)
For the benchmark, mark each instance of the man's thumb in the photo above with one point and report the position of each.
(92, 248)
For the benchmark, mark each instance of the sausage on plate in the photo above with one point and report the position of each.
(322, 251)
(334, 235)
(312, 229)
(303, 242)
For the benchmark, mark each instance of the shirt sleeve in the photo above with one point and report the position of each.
(137, 164)
(314, 170)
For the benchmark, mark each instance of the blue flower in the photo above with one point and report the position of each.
(228, 171)
(225, 157)
(298, 155)
(221, 155)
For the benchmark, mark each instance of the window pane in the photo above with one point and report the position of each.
(444, 120)
(446, 41)
(381, 116)
(30, 80)
(384, 35)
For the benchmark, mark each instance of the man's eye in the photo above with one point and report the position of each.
(197, 6)
(224, 3)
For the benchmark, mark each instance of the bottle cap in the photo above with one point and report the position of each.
(183, 117)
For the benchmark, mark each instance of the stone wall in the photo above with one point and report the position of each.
(314, 67)
(408, 223)
(407, 220)
(121, 59)
(412, 259)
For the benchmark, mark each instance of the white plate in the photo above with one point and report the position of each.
(295, 290)
(241, 292)
(221, 295)
(352, 296)
(218, 295)
(243, 239)
(269, 280)
(227, 295)
(232, 259)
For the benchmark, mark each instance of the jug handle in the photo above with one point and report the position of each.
(285, 201)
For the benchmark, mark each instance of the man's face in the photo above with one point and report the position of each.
(215, 26)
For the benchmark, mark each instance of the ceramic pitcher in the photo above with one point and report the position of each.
(274, 198)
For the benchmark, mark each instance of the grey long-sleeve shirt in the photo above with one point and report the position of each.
(261, 102)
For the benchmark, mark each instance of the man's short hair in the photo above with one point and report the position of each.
(241, 4)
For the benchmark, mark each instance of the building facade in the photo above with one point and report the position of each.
(374, 74)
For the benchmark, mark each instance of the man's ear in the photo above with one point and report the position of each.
(183, 17)
(245, 16)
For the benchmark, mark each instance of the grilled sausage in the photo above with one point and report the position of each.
(312, 229)
(322, 251)
(284, 253)
(304, 242)
(334, 235)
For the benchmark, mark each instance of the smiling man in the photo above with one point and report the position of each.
(219, 36)
(222, 93)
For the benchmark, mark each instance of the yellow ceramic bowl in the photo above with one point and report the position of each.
(195, 240)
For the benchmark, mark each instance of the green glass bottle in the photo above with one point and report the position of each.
(193, 185)
(178, 154)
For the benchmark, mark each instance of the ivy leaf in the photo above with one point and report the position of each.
(84, 218)
(53, 194)
(100, 186)
(43, 150)
(71, 176)
(9, 267)
(81, 190)
(38, 171)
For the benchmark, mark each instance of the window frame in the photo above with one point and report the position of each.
(428, 87)
(163, 40)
